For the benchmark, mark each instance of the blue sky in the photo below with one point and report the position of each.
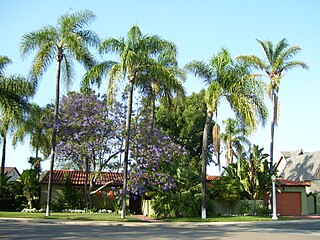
(199, 28)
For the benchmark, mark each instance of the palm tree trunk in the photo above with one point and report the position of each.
(205, 143)
(3, 157)
(126, 148)
(153, 109)
(54, 133)
(273, 123)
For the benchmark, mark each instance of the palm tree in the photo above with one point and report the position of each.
(136, 58)
(63, 43)
(14, 93)
(163, 80)
(234, 138)
(278, 60)
(232, 81)
(40, 135)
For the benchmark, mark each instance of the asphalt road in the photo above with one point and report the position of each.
(302, 229)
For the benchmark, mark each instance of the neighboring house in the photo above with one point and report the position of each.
(291, 198)
(110, 179)
(12, 172)
(303, 166)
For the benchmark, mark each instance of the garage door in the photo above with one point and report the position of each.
(289, 203)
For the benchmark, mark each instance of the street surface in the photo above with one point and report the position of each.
(30, 229)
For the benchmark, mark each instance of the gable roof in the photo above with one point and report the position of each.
(10, 169)
(78, 178)
(303, 166)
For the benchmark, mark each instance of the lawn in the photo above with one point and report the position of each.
(71, 216)
(116, 217)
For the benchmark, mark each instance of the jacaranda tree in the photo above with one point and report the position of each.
(89, 135)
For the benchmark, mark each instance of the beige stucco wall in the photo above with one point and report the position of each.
(98, 201)
(56, 194)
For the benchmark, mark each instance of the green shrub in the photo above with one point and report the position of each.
(245, 207)
(262, 210)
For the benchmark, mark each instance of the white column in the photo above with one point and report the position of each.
(274, 198)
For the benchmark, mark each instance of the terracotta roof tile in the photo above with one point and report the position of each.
(213, 178)
(78, 177)
(286, 182)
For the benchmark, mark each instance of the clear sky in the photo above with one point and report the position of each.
(199, 28)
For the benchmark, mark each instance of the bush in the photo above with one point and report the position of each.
(262, 210)
(245, 207)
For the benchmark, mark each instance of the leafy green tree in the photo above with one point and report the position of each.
(67, 41)
(234, 139)
(184, 122)
(15, 91)
(278, 60)
(232, 81)
(137, 54)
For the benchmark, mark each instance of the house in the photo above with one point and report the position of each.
(303, 166)
(291, 198)
(12, 172)
(77, 180)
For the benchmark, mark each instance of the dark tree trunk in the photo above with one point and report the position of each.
(126, 149)
(3, 157)
(205, 143)
(54, 133)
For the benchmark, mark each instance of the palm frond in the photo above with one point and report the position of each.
(112, 45)
(201, 70)
(115, 73)
(96, 73)
(4, 61)
(67, 70)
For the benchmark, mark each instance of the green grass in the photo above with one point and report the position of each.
(71, 216)
(112, 217)
(222, 219)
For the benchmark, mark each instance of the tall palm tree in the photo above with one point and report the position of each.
(229, 80)
(15, 91)
(67, 41)
(234, 139)
(137, 53)
(277, 61)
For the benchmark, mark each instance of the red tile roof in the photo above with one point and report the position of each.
(78, 177)
(213, 178)
(286, 182)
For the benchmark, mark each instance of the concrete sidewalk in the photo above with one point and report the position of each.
(155, 223)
